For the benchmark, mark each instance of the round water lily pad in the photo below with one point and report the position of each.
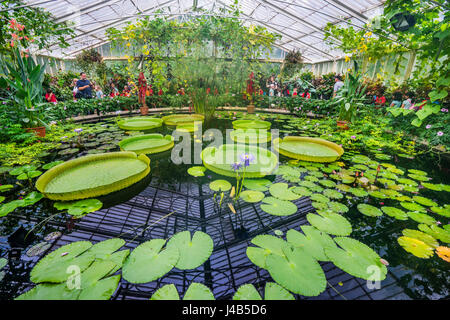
(139, 123)
(53, 267)
(319, 198)
(278, 207)
(80, 207)
(166, 292)
(282, 191)
(429, 240)
(327, 183)
(3, 263)
(337, 207)
(297, 271)
(196, 171)
(220, 185)
(395, 213)
(257, 184)
(193, 252)
(313, 241)
(148, 262)
(421, 217)
(247, 292)
(413, 206)
(356, 258)
(251, 196)
(330, 222)
(273, 291)
(267, 244)
(418, 172)
(344, 187)
(302, 191)
(425, 201)
(418, 248)
(369, 210)
(198, 291)
(443, 211)
(436, 232)
(332, 194)
(434, 187)
(147, 144)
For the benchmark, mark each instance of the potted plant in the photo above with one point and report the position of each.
(22, 78)
(348, 98)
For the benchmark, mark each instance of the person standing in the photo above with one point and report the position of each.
(338, 84)
(84, 87)
(397, 102)
(114, 91)
(75, 89)
(50, 96)
(99, 93)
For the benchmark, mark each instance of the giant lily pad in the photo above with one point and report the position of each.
(250, 136)
(251, 124)
(220, 160)
(308, 149)
(139, 123)
(297, 271)
(330, 222)
(177, 119)
(193, 252)
(278, 207)
(93, 175)
(148, 262)
(356, 258)
(147, 144)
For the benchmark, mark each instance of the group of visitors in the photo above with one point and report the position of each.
(274, 89)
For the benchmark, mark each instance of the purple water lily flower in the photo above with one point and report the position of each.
(236, 166)
(78, 130)
(440, 133)
(353, 137)
(444, 110)
(247, 158)
(428, 126)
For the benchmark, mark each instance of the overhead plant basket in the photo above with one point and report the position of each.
(219, 160)
(251, 136)
(140, 123)
(308, 149)
(147, 144)
(93, 175)
(251, 124)
(176, 119)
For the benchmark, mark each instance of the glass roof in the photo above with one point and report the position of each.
(300, 22)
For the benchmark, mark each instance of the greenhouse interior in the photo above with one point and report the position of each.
(224, 150)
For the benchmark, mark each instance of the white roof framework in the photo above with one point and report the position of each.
(299, 22)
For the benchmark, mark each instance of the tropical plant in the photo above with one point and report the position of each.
(24, 78)
(351, 96)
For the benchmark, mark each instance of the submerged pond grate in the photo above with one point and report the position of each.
(158, 212)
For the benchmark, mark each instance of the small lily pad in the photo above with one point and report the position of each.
(251, 196)
(220, 185)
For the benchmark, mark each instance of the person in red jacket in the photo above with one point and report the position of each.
(306, 94)
(50, 96)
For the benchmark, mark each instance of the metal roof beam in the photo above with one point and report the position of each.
(116, 22)
(342, 6)
(85, 10)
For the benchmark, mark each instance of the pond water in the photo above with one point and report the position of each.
(145, 211)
